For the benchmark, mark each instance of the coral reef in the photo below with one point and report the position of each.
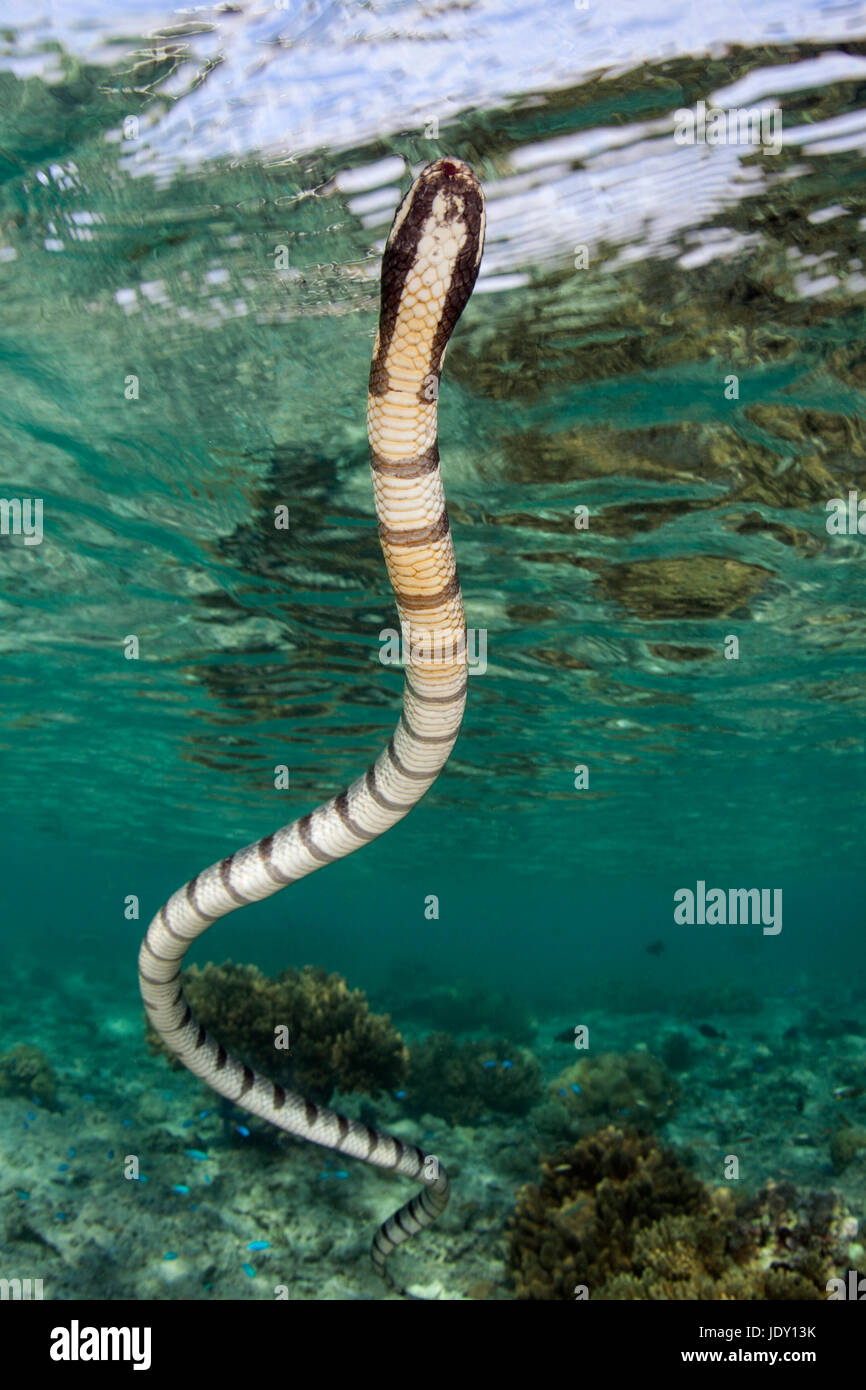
(618, 1085)
(684, 1258)
(461, 1081)
(334, 1039)
(27, 1071)
(578, 1226)
(623, 1217)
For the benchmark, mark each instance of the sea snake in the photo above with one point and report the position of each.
(429, 267)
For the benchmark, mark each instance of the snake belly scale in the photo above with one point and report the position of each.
(429, 267)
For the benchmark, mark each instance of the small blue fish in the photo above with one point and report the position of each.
(181, 1189)
(508, 1064)
(259, 1245)
(197, 1154)
(488, 1065)
(242, 1129)
(249, 1271)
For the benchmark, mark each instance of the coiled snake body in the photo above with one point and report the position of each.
(428, 272)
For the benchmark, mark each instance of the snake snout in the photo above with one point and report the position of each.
(438, 227)
(451, 168)
(453, 175)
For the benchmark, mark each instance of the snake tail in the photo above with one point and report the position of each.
(429, 267)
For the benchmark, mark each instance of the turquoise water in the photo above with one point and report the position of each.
(169, 376)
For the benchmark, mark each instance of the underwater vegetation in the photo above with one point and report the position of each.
(461, 1081)
(634, 1086)
(334, 1040)
(621, 1216)
(27, 1071)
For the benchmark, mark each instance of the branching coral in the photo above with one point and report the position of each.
(27, 1071)
(578, 1226)
(621, 1216)
(334, 1039)
(461, 1081)
(630, 1086)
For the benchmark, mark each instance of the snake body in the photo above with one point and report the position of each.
(429, 267)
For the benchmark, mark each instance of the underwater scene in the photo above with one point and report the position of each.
(588, 1021)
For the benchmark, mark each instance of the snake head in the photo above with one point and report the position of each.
(436, 241)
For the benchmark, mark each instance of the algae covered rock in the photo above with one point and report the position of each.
(684, 586)
(462, 1081)
(623, 1086)
(333, 1038)
(845, 1144)
(27, 1071)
